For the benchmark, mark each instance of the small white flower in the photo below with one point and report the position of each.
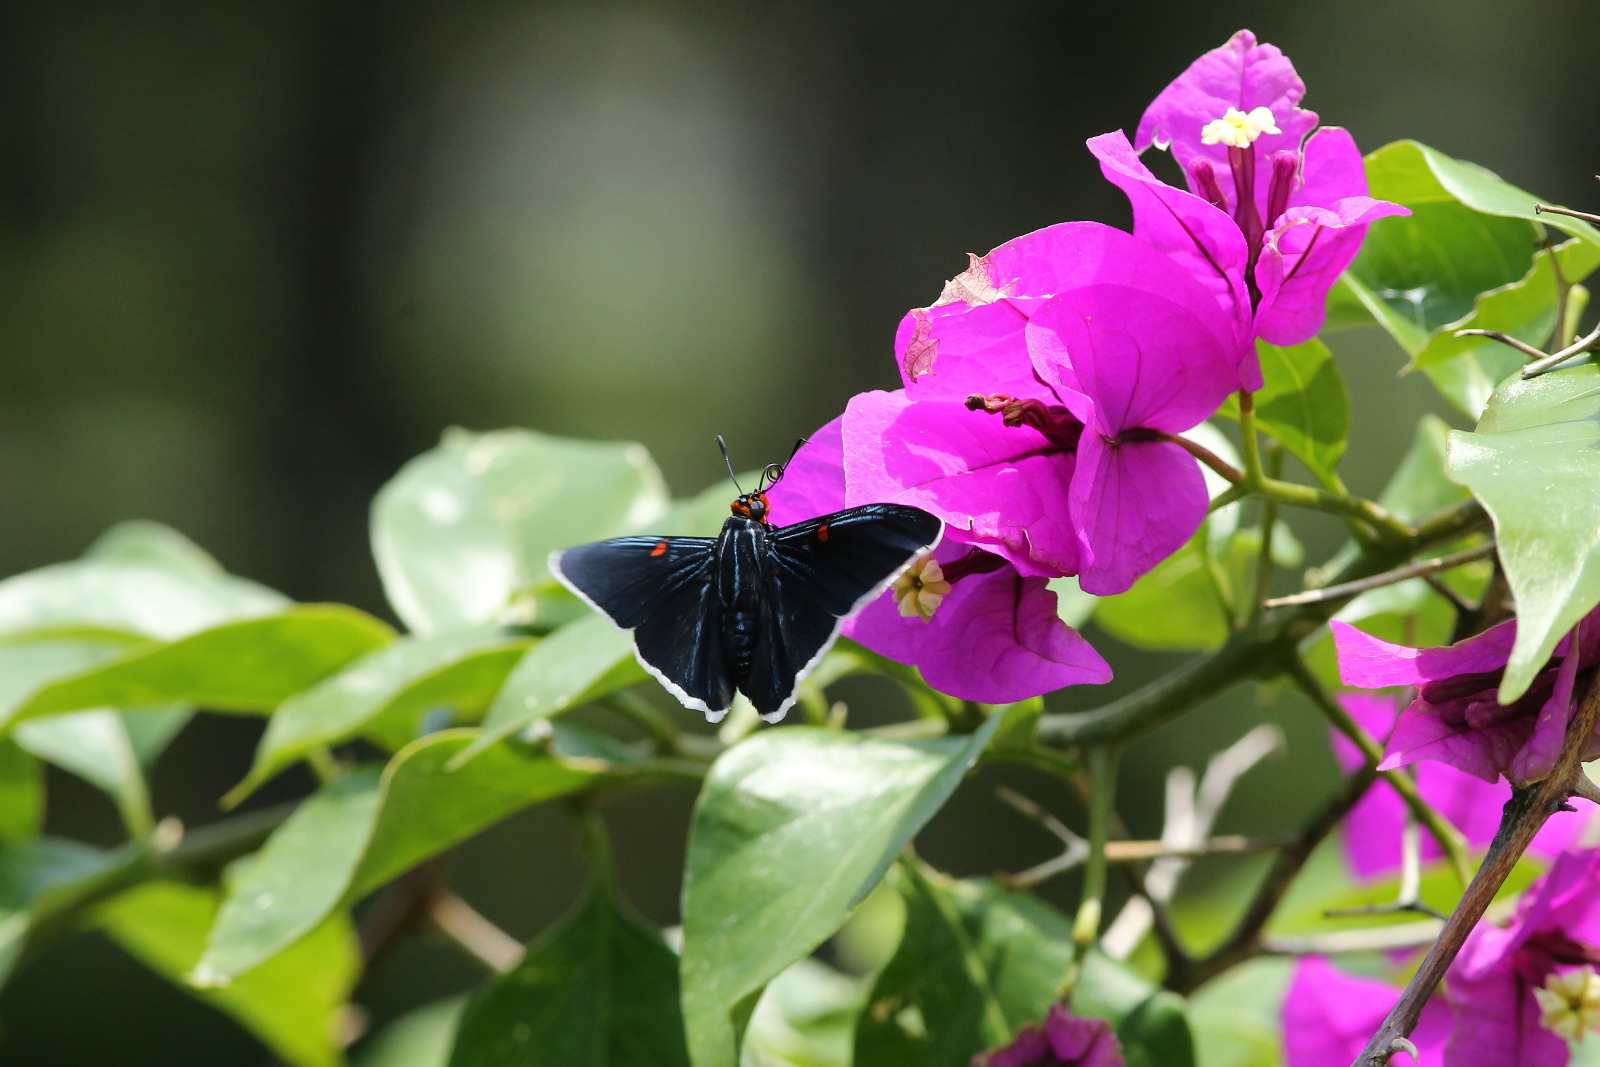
(1238, 130)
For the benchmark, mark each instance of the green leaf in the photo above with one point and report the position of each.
(1175, 607)
(21, 793)
(33, 874)
(419, 1038)
(398, 683)
(1303, 405)
(977, 963)
(364, 829)
(95, 746)
(1419, 486)
(1534, 463)
(793, 828)
(1466, 257)
(575, 664)
(139, 579)
(806, 1017)
(598, 990)
(26, 667)
(1237, 1017)
(462, 528)
(250, 666)
(296, 1003)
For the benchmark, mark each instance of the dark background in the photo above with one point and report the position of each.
(254, 256)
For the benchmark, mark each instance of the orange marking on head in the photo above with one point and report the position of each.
(741, 508)
(822, 532)
(660, 549)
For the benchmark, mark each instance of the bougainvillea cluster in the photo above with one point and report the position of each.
(1044, 393)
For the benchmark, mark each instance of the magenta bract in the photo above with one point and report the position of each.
(1063, 1040)
(995, 637)
(1456, 717)
(1372, 830)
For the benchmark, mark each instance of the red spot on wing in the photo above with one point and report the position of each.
(660, 549)
(822, 532)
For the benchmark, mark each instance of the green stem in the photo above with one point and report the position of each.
(1384, 524)
(1269, 519)
(662, 730)
(1263, 648)
(1439, 828)
(1102, 760)
(323, 764)
(1249, 447)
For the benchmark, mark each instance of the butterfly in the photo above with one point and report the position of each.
(754, 608)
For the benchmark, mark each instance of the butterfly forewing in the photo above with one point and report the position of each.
(838, 559)
(629, 578)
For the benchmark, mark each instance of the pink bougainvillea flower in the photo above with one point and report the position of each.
(1519, 992)
(1456, 717)
(1271, 218)
(1137, 366)
(993, 447)
(976, 627)
(1372, 830)
(971, 339)
(1329, 1016)
(1063, 1040)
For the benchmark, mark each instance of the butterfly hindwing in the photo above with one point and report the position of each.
(838, 559)
(823, 569)
(681, 644)
(628, 578)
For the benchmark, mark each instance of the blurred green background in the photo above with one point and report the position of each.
(255, 255)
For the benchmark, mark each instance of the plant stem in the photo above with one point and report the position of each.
(1525, 813)
(1260, 649)
(1246, 940)
(1378, 581)
(1249, 446)
(1448, 837)
(1269, 519)
(1102, 760)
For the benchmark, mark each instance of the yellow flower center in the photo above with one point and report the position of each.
(1237, 129)
(920, 589)
(1569, 1004)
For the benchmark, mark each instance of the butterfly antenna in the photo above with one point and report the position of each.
(774, 471)
(723, 445)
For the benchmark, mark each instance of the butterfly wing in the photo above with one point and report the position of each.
(662, 589)
(822, 571)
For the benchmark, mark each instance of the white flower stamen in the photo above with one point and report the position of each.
(1569, 1004)
(920, 589)
(1237, 129)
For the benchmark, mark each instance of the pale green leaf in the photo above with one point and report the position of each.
(464, 527)
(419, 1038)
(296, 1003)
(1302, 404)
(1465, 257)
(398, 683)
(365, 829)
(138, 579)
(1534, 463)
(793, 828)
(579, 662)
(249, 666)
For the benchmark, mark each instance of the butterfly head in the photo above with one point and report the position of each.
(752, 506)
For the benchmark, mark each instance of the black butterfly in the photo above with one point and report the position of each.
(752, 609)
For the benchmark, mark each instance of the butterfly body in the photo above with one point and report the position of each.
(753, 609)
